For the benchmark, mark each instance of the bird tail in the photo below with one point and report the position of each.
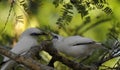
(8, 65)
(102, 46)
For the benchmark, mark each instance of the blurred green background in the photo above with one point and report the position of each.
(43, 14)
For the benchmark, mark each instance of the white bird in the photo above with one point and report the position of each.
(75, 46)
(27, 40)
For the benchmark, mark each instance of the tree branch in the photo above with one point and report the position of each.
(29, 62)
(48, 47)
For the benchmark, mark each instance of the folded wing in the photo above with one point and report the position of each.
(77, 40)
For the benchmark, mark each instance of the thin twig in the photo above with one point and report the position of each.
(95, 24)
(27, 61)
(10, 10)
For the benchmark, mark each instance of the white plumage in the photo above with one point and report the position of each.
(27, 40)
(75, 46)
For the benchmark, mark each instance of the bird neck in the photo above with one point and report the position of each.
(60, 38)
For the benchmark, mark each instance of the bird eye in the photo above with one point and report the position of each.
(55, 37)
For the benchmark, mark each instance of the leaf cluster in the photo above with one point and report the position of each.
(82, 6)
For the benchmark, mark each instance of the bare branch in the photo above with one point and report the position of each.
(24, 60)
(48, 47)
(95, 24)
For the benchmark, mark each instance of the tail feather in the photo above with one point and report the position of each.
(101, 45)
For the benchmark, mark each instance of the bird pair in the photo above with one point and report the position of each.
(75, 46)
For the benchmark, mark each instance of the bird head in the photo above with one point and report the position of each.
(33, 32)
(56, 37)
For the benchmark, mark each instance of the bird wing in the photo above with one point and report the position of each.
(22, 46)
(77, 40)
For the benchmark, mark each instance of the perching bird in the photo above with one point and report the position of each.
(27, 40)
(75, 46)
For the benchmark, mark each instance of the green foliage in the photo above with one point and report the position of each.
(113, 35)
(82, 6)
(66, 16)
(113, 44)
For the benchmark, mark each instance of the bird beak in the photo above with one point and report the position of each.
(43, 33)
(52, 34)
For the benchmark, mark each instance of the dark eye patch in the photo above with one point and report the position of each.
(35, 34)
(55, 37)
(84, 43)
